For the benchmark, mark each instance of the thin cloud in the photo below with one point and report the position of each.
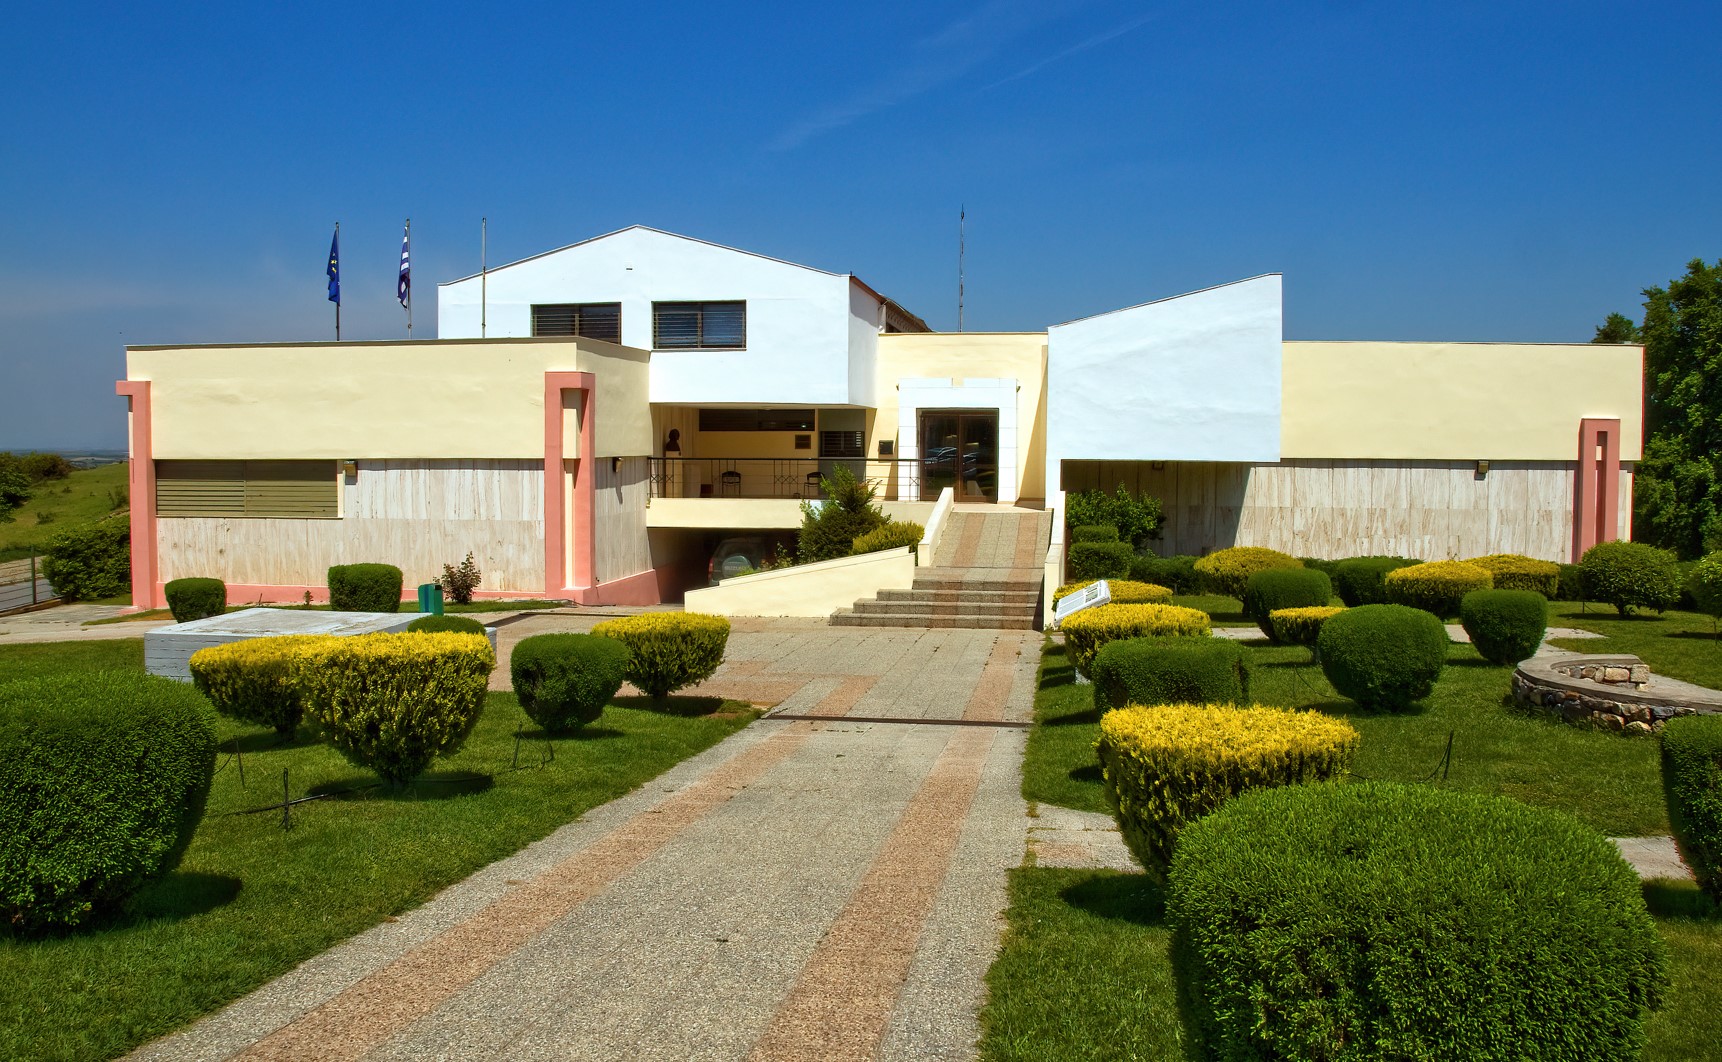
(1093, 42)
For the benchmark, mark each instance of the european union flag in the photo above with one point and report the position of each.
(334, 270)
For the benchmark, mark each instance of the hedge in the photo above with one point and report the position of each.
(1276, 588)
(894, 535)
(1100, 560)
(670, 650)
(446, 625)
(1571, 587)
(1123, 591)
(394, 702)
(90, 562)
(103, 779)
(1436, 587)
(1170, 671)
(1381, 920)
(564, 681)
(1704, 584)
(365, 588)
(195, 599)
(1505, 626)
(1167, 766)
(1692, 782)
(1301, 626)
(254, 681)
(1227, 571)
(1086, 631)
(1630, 575)
(1383, 656)
(1175, 573)
(1362, 580)
(1094, 533)
(1512, 571)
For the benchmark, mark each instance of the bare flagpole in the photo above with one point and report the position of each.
(483, 273)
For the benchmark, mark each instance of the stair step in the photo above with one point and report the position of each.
(849, 618)
(1026, 598)
(938, 608)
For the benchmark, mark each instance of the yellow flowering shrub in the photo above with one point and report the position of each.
(669, 650)
(1228, 571)
(1088, 630)
(1167, 766)
(252, 680)
(1301, 626)
(1124, 592)
(1513, 571)
(1438, 586)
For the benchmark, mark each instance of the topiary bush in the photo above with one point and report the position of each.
(1505, 626)
(1123, 592)
(1704, 585)
(446, 625)
(1228, 571)
(1277, 588)
(1319, 564)
(1384, 657)
(1692, 783)
(1571, 585)
(1436, 587)
(1094, 533)
(670, 650)
(1136, 516)
(1512, 571)
(1177, 574)
(1630, 575)
(195, 599)
(255, 681)
(1376, 920)
(894, 535)
(394, 702)
(1301, 626)
(1170, 671)
(830, 527)
(90, 562)
(365, 588)
(1086, 631)
(1167, 766)
(103, 779)
(1362, 580)
(564, 681)
(1100, 560)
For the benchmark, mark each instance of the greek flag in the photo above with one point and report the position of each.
(404, 287)
(334, 269)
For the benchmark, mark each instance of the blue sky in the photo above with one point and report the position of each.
(1454, 170)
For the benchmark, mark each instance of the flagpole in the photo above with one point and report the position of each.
(337, 290)
(483, 272)
(405, 242)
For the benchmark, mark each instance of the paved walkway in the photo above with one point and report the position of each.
(65, 623)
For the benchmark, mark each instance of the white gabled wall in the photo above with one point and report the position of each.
(801, 332)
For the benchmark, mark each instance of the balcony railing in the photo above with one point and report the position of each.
(772, 477)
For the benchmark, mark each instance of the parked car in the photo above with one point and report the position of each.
(741, 554)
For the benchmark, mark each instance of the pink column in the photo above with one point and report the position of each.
(1596, 492)
(146, 590)
(556, 577)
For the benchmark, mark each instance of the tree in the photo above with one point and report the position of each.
(829, 529)
(1618, 328)
(1678, 485)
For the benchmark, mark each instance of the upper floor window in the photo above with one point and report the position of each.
(699, 325)
(589, 320)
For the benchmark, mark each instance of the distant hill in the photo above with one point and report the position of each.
(83, 497)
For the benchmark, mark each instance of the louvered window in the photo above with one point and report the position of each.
(303, 490)
(699, 325)
(841, 444)
(725, 418)
(589, 320)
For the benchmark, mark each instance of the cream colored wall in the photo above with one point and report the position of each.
(619, 519)
(809, 589)
(972, 355)
(427, 399)
(1456, 401)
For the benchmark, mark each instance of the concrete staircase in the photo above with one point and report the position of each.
(987, 574)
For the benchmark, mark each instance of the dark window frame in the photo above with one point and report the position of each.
(734, 418)
(608, 320)
(694, 333)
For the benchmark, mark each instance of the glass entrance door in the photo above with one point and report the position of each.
(960, 449)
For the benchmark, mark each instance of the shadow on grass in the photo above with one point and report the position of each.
(673, 704)
(1088, 717)
(1352, 710)
(1478, 662)
(432, 785)
(1679, 899)
(1125, 897)
(584, 733)
(268, 741)
(1087, 773)
(182, 894)
(1705, 636)
(1054, 677)
(1289, 664)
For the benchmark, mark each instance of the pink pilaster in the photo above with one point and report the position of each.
(146, 588)
(1596, 493)
(563, 521)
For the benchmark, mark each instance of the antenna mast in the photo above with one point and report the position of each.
(962, 221)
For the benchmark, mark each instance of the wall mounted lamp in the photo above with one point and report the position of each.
(350, 469)
(615, 465)
(1482, 469)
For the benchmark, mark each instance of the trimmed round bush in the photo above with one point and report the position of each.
(670, 650)
(1276, 588)
(1513, 571)
(1086, 631)
(1362, 580)
(254, 681)
(1094, 533)
(563, 681)
(1692, 781)
(1704, 584)
(1384, 657)
(365, 588)
(394, 702)
(1167, 766)
(1178, 574)
(1100, 560)
(1505, 626)
(1320, 564)
(1377, 920)
(894, 535)
(1123, 591)
(1228, 571)
(195, 599)
(446, 625)
(103, 778)
(1571, 585)
(1170, 671)
(1436, 587)
(1301, 626)
(1630, 575)
(90, 562)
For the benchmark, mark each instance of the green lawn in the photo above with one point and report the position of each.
(527, 605)
(81, 498)
(1681, 645)
(251, 901)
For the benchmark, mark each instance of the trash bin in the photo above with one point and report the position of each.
(430, 599)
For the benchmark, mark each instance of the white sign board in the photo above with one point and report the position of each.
(1088, 597)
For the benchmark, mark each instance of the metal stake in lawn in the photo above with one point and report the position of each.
(286, 803)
